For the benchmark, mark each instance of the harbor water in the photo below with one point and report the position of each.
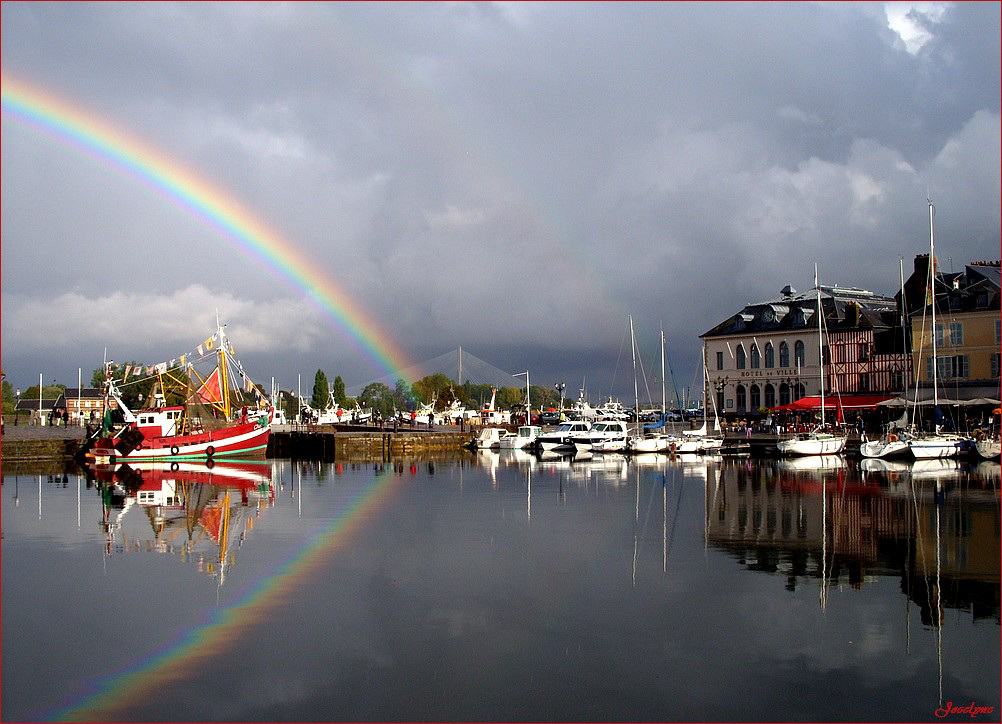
(503, 587)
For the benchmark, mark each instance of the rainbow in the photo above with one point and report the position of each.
(82, 131)
(108, 698)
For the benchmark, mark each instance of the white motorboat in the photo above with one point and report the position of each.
(525, 437)
(491, 437)
(607, 435)
(560, 439)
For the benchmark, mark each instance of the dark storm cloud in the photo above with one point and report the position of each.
(514, 176)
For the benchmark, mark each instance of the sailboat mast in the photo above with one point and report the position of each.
(636, 392)
(904, 334)
(932, 287)
(663, 402)
(821, 349)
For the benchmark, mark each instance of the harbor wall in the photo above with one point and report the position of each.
(361, 446)
(25, 444)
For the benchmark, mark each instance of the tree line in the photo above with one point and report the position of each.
(385, 400)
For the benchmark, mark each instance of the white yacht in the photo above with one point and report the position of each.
(606, 435)
(560, 439)
(525, 437)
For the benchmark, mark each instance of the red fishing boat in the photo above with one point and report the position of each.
(210, 416)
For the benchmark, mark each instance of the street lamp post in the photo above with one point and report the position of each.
(720, 384)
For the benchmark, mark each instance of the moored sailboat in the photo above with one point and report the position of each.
(936, 444)
(817, 442)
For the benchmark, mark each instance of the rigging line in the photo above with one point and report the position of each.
(616, 370)
(671, 373)
(643, 374)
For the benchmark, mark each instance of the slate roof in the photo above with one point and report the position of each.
(796, 310)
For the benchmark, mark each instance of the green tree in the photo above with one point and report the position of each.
(321, 391)
(543, 397)
(8, 398)
(379, 398)
(337, 389)
(436, 386)
(49, 392)
(403, 395)
(507, 397)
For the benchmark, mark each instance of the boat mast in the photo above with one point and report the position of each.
(636, 392)
(932, 287)
(663, 403)
(821, 349)
(224, 387)
(904, 334)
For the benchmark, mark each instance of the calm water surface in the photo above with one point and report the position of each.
(503, 587)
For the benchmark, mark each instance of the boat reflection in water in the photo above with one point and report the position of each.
(200, 511)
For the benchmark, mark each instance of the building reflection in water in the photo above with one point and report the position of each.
(934, 524)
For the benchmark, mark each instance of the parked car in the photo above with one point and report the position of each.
(549, 417)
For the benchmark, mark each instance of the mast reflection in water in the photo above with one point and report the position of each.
(502, 587)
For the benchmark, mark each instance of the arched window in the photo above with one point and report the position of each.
(756, 398)
(755, 359)
(770, 396)
(784, 354)
(740, 395)
(740, 357)
(784, 394)
(770, 355)
(798, 353)
(801, 392)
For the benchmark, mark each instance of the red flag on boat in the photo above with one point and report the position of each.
(211, 389)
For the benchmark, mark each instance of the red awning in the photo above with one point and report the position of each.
(849, 402)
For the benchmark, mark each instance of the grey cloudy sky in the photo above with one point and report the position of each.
(512, 178)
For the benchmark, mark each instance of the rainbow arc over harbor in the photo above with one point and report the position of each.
(81, 130)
